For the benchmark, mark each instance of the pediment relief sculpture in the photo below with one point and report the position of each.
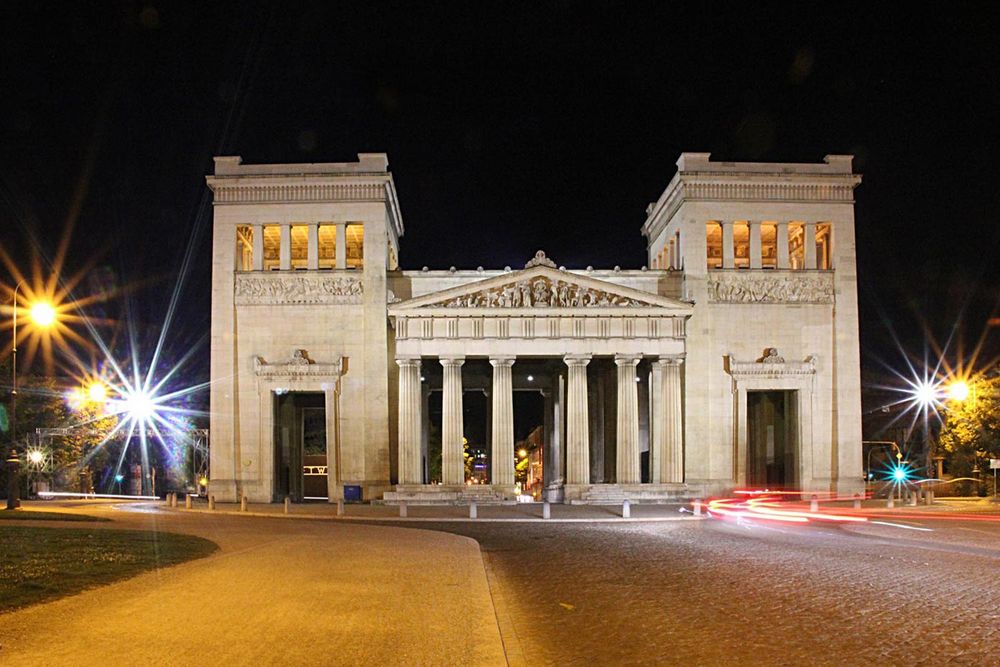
(299, 364)
(540, 292)
(771, 364)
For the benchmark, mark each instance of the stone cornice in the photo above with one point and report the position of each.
(771, 365)
(298, 366)
(748, 187)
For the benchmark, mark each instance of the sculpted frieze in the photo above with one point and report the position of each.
(540, 292)
(790, 287)
(286, 288)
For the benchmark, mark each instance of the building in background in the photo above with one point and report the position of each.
(731, 360)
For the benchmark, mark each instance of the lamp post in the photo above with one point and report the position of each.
(13, 366)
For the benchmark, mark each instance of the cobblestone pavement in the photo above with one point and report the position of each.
(712, 593)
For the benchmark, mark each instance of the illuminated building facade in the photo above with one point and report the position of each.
(730, 360)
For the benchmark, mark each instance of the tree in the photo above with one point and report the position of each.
(970, 435)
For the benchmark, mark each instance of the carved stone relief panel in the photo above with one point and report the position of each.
(540, 292)
(756, 287)
(257, 288)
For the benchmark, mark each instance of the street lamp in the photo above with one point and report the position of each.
(42, 314)
(958, 390)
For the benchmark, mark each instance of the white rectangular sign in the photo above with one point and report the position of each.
(994, 464)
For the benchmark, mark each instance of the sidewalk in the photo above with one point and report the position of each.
(278, 592)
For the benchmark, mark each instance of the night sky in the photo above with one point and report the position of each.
(507, 131)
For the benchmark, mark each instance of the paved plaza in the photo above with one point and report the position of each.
(915, 586)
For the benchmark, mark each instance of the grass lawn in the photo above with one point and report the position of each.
(41, 515)
(39, 564)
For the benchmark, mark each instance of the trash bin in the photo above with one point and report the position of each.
(352, 493)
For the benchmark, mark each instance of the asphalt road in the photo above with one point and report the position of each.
(714, 593)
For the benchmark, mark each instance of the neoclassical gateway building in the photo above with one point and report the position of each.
(731, 360)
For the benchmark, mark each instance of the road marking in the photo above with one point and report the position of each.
(900, 525)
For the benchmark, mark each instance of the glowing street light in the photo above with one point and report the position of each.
(42, 314)
(958, 391)
(925, 393)
(97, 392)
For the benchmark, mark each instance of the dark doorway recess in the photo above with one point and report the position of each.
(772, 424)
(300, 468)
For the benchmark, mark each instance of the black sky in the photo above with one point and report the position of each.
(508, 129)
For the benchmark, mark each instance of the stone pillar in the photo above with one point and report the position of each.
(669, 416)
(577, 421)
(628, 420)
(425, 434)
(809, 241)
(312, 246)
(781, 240)
(285, 249)
(341, 249)
(410, 427)
(452, 447)
(755, 250)
(728, 247)
(257, 253)
(502, 426)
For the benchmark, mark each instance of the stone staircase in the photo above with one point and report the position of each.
(648, 494)
(482, 494)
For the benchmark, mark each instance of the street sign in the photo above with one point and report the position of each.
(994, 464)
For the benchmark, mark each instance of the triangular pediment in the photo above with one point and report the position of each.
(540, 288)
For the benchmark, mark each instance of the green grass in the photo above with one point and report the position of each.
(41, 515)
(39, 564)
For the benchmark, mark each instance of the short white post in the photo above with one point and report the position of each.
(546, 510)
(626, 509)
(211, 502)
(473, 510)
(913, 498)
(340, 507)
(243, 503)
(857, 501)
(814, 504)
(697, 506)
(288, 504)
(889, 503)
(929, 496)
(402, 509)
(187, 501)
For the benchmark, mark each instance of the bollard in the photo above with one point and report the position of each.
(929, 497)
(402, 509)
(889, 503)
(546, 510)
(814, 504)
(13, 480)
(697, 506)
(473, 510)
(857, 501)
(243, 503)
(288, 504)
(187, 501)
(340, 507)
(913, 499)
(211, 502)
(626, 509)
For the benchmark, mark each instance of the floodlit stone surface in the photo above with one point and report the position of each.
(750, 286)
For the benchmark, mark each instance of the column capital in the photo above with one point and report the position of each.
(670, 361)
(451, 361)
(577, 359)
(627, 359)
(502, 361)
(408, 362)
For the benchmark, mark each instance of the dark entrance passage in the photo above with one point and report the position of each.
(300, 470)
(771, 432)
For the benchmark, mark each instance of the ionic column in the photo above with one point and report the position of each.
(312, 246)
(668, 435)
(502, 425)
(410, 427)
(340, 252)
(285, 249)
(577, 421)
(628, 420)
(809, 239)
(452, 447)
(257, 251)
(781, 239)
(755, 249)
(728, 247)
